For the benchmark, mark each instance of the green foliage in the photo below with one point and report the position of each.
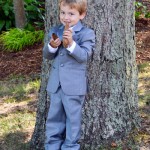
(29, 27)
(15, 129)
(147, 15)
(18, 88)
(16, 39)
(34, 13)
(7, 18)
(141, 10)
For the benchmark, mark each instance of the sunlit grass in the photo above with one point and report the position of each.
(141, 137)
(32, 86)
(16, 130)
(144, 84)
(18, 89)
(17, 119)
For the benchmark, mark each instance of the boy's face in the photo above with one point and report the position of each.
(70, 15)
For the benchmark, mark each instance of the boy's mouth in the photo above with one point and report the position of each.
(67, 23)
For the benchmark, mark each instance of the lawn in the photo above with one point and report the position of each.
(18, 99)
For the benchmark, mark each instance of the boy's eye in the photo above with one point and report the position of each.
(62, 12)
(71, 14)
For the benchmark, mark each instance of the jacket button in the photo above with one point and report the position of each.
(61, 54)
(61, 65)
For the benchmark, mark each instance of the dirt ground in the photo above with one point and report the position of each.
(143, 40)
(25, 62)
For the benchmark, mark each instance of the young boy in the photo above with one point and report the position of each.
(67, 84)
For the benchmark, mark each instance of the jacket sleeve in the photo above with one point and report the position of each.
(84, 50)
(46, 53)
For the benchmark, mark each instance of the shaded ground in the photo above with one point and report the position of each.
(25, 62)
(143, 40)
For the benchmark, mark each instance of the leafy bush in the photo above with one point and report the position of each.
(7, 18)
(147, 15)
(141, 10)
(16, 39)
(35, 10)
(34, 13)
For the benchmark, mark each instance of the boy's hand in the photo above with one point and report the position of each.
(68, 35)
(55, 43)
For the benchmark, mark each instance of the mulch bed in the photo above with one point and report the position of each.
(25, 62)
(143, 40)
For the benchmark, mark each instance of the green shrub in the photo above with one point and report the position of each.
(35, 10)
(34, 13)
(7, 18)
(141, 10)
(16, 39)
(147, 15)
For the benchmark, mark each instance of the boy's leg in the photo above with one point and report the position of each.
(55, 124)
(73, 108)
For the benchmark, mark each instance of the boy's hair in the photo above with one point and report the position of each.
(80, 5)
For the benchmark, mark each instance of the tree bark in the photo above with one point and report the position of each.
(111, 107)
(20, 19)
(37, 140)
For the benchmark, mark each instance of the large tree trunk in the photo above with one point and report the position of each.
(20, 18)
(110, 110)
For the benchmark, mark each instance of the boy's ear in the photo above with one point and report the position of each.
(82, 15)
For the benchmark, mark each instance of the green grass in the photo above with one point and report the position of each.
(144, 84)
(17, 121)
(16, 39)
(18, 88)
(144, 100)
(17, 117)
(16, 129)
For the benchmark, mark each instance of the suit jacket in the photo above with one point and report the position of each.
(69, 69)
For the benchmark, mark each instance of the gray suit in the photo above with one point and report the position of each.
(69, 69)
(67, 86)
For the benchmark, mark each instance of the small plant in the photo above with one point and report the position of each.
(141, 10)
(15, 39)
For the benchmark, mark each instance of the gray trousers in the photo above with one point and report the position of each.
(63, 126)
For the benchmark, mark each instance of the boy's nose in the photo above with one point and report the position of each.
(66, 17)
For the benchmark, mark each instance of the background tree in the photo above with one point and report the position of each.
(20, 18)
(110, 111)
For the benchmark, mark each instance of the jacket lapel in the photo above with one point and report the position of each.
(76, 29)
